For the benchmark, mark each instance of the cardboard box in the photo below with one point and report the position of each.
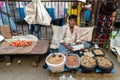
(5, 31)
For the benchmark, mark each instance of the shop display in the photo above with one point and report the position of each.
(98, 52)
(55, 59)
(104, 64)
(56, 62)
(88, 63)
(72, 61)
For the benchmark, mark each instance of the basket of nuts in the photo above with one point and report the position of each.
(104, 64)
(72, 61)
(98, 52)
(56, 62)
(88, 63)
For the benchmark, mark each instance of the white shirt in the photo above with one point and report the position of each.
(69, 37)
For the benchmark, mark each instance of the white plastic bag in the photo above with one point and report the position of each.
(43, 16)
(37, 14)
(82, 0)
(30, 11)
(117, 39)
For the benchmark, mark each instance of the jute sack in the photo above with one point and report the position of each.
(5, 31)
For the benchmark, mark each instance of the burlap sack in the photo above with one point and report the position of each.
(5, 31)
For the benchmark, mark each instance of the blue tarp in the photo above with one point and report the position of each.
(79, 69)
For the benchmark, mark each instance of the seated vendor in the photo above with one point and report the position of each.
(70, 37)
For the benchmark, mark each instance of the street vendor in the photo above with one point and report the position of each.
(70, 37)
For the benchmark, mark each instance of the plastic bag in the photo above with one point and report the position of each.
(37, 14)
(42, 15)
(30, 13)
(66, 77)
(117, 39)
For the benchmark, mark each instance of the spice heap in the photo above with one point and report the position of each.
(55, 59)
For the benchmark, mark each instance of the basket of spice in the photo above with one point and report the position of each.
(72, 61)
(98, 52)
(88, 63)
(104, 64)
(56, 62)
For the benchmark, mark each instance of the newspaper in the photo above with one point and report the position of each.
(78, 47)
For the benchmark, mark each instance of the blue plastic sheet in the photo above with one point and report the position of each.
(79, 69)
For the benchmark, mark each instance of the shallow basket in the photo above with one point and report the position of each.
(56, 68)
(88, 69)
(98, 54)
(105, 69)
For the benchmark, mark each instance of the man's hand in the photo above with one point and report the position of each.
(78, 42)
(82, 49)
(69, 47)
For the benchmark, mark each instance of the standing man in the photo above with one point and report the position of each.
(35, 29)
(6, 19)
